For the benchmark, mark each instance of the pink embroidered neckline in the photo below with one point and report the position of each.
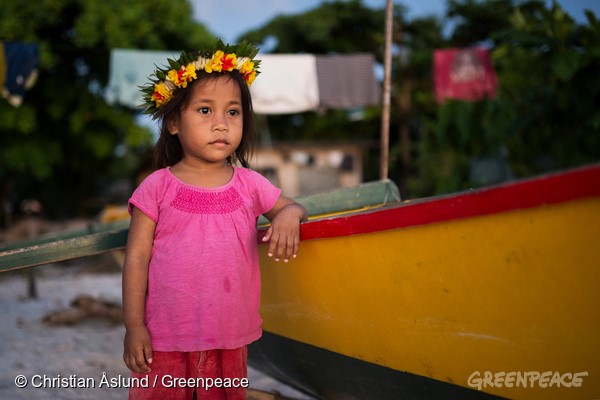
(197, 201)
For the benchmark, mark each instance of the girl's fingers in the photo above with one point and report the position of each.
(290, 249)
(281, 248)
(296, 246)
(273, 247)
(139, 363)
(148, 355)
(282, 245)
(287, 247)
(132, 364)
(277, 246)
(268, 234)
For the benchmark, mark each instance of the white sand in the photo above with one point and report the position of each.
(83, 353)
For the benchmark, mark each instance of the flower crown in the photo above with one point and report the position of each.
(220, 58)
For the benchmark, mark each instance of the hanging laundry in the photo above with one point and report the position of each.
(130, 69)
(464, 74)
(2, 66)
(287, 84)
(19, 70)
(347, 81)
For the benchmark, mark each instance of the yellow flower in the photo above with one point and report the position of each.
(221, 62)
(247, 67)
(183, 75)
(249, 78)
(215, 62)
(161, 94)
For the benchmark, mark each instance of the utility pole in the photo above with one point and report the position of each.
(387, 77)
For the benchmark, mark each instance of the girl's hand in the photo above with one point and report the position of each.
(284, 233)
(138, 350)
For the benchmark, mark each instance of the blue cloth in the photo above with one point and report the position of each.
(21, 69)
(2, 66)
(129, 69)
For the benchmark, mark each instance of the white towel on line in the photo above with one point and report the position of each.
(287, 84)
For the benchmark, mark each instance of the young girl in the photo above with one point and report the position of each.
(191, 283)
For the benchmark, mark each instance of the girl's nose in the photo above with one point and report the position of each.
(220, 123)
(221, 128)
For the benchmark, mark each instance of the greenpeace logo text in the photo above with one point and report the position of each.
(525, 379)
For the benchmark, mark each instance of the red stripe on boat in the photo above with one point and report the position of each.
(547, 189)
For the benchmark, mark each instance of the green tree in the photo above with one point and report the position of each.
(60, 144)
(548, 67)
(447, 137)
(413, 100)
(334, 26)
(476, 20)
(543, 117)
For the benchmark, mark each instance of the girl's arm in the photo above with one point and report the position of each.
(137, 352)
(284, 232)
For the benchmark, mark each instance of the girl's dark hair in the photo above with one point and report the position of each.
(168, 150)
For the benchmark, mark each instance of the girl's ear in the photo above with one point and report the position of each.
(172, 126)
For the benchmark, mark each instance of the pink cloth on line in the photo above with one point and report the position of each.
(203, 278)
(464, 74)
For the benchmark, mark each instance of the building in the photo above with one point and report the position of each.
(301, 169)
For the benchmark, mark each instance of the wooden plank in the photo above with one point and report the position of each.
(92, 228)
(365, 195)
(32, 255)
(368, 194)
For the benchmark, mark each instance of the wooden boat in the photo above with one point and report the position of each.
(466, 296)
(485, 294)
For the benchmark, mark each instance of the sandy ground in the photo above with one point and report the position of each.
(88, 353)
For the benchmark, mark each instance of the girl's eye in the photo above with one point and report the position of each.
(203, 110)
(233, 113)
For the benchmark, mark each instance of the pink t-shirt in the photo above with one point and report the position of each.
(203, 278)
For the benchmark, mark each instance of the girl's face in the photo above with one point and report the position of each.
(210, 128)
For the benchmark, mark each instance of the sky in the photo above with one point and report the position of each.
(228, 19)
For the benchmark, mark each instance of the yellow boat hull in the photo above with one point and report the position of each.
(482, 300)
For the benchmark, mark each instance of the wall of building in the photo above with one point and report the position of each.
(303, 169)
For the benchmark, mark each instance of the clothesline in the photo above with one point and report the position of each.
(289, 83)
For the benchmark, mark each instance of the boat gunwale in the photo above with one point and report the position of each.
(547, 189)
